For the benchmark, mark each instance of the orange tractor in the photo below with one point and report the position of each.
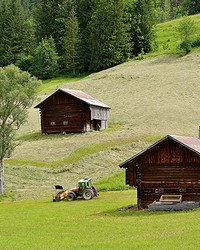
(85, 189)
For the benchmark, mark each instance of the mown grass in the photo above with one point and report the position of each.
(95, 224)
(78, 154)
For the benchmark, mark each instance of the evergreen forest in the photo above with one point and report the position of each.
(48, 37)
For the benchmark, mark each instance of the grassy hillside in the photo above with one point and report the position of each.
(148, 98)
(168, 37)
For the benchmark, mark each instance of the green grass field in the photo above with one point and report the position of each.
(95, 224)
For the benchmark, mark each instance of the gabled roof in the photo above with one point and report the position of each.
(191, 143)
(79, 95)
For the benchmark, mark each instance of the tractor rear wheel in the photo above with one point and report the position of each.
(71, 196)
(88, 194)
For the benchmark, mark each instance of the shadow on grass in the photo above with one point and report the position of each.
(134, 212)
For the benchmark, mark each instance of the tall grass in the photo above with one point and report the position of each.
(168, 38)
(52, 84)
(113, 182)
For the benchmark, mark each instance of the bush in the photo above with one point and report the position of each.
(45, 60)
(186, 46)
(24, 62)
(196, 43)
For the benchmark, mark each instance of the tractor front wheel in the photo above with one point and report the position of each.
(88, 194)
(71, 196)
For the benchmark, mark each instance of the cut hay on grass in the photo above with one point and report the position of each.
(151, 97)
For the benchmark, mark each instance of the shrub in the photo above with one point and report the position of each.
(24, 62)
(196, 43)
(45, 60)
(186, 46)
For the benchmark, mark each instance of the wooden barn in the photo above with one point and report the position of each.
(68, 110)
(170, 166)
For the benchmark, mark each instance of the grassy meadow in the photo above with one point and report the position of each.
(95, 224)
(168, 37)
(149, 99)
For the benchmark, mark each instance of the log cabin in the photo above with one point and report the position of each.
(171, 166)
(70, 111)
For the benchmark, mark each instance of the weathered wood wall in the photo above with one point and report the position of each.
(169, 168)
(63, 113)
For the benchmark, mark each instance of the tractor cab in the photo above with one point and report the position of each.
(84, 183)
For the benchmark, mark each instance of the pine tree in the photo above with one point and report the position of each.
(11, 26)
(191, 6)
(109, 37)
(45, 60)
(84, 10)
(45, 14)
(72, 42)
(142, 24)
(50, 17)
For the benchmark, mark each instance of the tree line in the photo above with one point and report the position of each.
(47, 37)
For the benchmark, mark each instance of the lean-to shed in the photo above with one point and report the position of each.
(68, 110)
(170, 166)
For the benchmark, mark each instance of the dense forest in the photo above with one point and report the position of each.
(48, 37)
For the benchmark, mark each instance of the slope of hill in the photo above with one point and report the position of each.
(151, 97)
(148, 98)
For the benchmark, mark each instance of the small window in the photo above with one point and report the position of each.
(65, 123)
(52, 123)
(182, 189)
(159, 190)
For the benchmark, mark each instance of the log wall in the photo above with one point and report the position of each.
(169, 168)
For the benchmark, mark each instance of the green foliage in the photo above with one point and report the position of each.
(8, 196)
(50, 18)
(186, 46)
(169, 38)
(168, 10)
(45, 60)
(84, 10)
(186, 29)
(29, 41)
(17, 91)
(24, 62)
(143, 18)
(191, 6)
(16, 95)
(196, 42)
(72, 42)
(45, 15)
(109, 37)
(11, 27)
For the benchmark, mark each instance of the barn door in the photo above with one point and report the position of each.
(96, 124)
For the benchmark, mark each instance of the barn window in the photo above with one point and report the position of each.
(65, 123)
(159, 190)
(182, 189)
(52, 123)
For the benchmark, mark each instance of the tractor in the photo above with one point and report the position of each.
(85, 189)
